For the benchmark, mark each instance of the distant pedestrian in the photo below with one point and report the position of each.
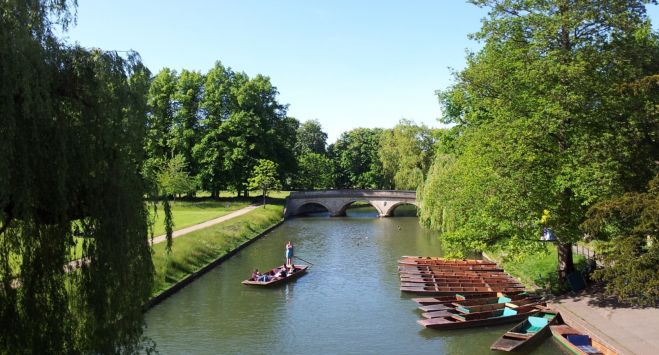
(289, 253)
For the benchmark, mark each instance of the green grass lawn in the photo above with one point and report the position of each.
(189, 213)
(537, 270)
(193, 251)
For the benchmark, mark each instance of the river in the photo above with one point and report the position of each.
(348, 303)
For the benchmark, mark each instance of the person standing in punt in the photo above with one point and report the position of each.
(289, 253)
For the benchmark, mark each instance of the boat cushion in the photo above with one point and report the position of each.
(537, 323)
(463, 309)
(579, 339)
(589, 349)
(503, 300)
(508, 312)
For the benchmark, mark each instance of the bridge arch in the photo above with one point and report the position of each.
(309, 207)
(391, 209)
(344, 208)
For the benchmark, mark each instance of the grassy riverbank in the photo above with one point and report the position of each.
(537, 271)
(190, 212)
(193, 251)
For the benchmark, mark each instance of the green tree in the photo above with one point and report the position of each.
(542, 124)
(311, 138)
(162, 109)
(187, 119)
(173, 179)
(356, 159)
(628, 226)
(406, 152)
(315, 171)
(73, 127)
(264, 177)
(217, 104)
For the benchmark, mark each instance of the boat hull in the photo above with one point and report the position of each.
(300, 270)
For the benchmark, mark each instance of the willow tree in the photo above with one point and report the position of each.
(543, 129)
(72, 129)
(406, 152)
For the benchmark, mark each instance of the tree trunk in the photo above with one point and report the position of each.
(215, 193)
(264, 192)
(565, 263)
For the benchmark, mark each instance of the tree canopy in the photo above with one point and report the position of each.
(264, 177)
(356, 159)
(311, 138)
(406, 152)
(543, 125)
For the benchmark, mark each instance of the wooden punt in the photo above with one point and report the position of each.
(445, 291)
(501, 298)
(441, 259)
(462, 309)
(462, 268)
(578, 342)
(299, 271)
(455, 297)
(444, 262)
(528, 333)
(501, 316)
(461, 284)
(430, 282)
(441, 274)
(431, 278)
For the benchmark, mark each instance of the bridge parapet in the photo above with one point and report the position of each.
(337, 201)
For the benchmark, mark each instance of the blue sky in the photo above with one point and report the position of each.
(346, 63)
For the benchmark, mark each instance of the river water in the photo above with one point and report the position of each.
(348, 302)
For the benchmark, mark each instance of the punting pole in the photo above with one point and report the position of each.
(297, 257)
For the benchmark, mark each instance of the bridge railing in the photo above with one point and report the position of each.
(353, 192)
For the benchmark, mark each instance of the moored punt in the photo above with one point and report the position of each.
(578, 342)
(461, 309)
(406, 272)
(444, 291)
(438, 306)
(455, 297)
(299, 271)
(527, 333)
(461, 284)
(506, 315)
(441, 259)
(430, 278)
(409, 268)
(444, 262)
(430, 282)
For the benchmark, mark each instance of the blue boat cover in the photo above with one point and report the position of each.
(508, 312)
(537, 323)
(579, 339)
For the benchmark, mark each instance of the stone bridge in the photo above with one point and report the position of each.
(337, 201)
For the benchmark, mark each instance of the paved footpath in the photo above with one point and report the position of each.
(625, 329)
(72, 265)
(196, 227)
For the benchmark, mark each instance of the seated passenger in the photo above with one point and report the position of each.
(264, 278)
(255, 275)
(282, 272)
